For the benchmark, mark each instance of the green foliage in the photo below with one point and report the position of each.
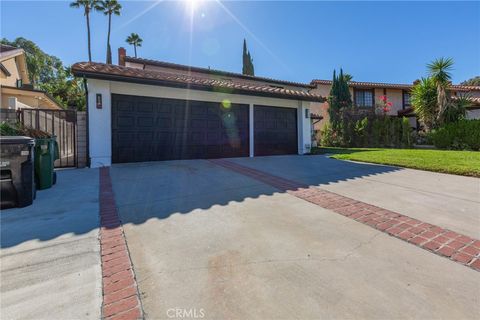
(454, 162)
(463, 135)
(369, 131)
(475, 81)
(339, 100)
(439, 70)
(87, 6)
(134, 40)
(9, 129)
(247, 66)
(109, 8)
(406, 140)
(48, 73)
(424, 101)
(456, 109)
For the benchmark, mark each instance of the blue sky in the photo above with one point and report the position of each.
(298, 41)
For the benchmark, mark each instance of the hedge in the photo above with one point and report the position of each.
(461, 135)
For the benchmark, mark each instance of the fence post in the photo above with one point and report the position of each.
(81, 139)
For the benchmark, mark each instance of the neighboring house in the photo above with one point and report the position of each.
(147, 110)
(367, 94)
(16, 92)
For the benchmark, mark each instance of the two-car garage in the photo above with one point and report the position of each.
(150, 129)
(135, 115)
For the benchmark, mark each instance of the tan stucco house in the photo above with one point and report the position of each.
(367, 94)
(16, 91)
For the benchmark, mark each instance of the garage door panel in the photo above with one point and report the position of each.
(148, 129)
(125, 106)
(275, 130)
(145, 107)
(144, 121)
(126, 121)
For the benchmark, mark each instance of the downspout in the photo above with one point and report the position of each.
(87, 122)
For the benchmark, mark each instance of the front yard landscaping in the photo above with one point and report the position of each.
(465, 163)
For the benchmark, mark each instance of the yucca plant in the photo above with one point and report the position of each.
(457, 109)
(424, 101)
(439, 71)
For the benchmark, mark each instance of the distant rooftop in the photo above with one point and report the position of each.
(358, 84)
(213, 71)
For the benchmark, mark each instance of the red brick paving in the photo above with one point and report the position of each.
(120, 294)
(446, 243)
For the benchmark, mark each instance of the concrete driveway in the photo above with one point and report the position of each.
(50, 254)
(207, 241)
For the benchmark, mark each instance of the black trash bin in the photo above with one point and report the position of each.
(16, 166)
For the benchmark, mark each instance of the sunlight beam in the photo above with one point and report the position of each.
(244, 27)
(155, 3)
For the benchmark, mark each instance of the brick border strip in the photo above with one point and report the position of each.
(121, 300)
(443, 242)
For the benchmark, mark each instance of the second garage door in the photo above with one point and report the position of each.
(275, 131)
(150, 129)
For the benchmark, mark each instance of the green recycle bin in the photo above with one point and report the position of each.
(46, 152)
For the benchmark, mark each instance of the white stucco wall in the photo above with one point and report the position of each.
(473, 114)
(100, 141)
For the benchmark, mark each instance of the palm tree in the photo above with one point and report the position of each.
(439, 71)
(87, 5)
(135, 40)
(109, 7)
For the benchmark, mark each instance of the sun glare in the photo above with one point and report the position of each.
(192, 4)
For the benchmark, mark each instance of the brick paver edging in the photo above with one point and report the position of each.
(447, 243)
(121, 300)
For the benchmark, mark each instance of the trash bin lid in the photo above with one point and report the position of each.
(16, 140)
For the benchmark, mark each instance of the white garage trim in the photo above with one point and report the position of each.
(100, 134)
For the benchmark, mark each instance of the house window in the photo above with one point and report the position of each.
(364, 98)
(406, 100)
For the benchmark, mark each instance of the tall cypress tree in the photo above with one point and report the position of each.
(244, 58)
(247, 67)
(339, 99)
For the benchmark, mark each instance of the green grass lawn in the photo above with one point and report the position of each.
(465, 163)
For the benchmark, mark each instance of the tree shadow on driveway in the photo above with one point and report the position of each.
(160, 189)
(156, 190)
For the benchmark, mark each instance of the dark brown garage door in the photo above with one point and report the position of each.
(150, 129)
(275, 130)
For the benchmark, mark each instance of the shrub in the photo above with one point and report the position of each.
(463, 134)
(368, 131)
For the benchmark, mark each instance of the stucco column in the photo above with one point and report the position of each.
(250, 128)
(99, 127)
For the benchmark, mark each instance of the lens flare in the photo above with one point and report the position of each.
(226, 103)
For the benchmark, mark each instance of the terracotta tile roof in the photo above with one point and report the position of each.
(168, 79)
(6, 47)
(214, 71)
(475, 101)
(411, 112)
(358, 84)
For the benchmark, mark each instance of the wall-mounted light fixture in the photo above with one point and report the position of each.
(307, 113)
(99, 101)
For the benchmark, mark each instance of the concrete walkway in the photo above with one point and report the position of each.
(208, 240)
(50, 260)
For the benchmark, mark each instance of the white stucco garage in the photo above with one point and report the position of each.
(135, 114)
